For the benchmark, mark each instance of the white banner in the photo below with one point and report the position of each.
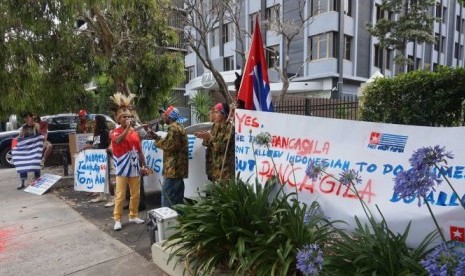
(42, 184)
(90, 170)
(197, 176)
(377, 151)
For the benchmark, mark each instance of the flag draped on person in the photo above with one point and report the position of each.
(27, 153)
(254, 91)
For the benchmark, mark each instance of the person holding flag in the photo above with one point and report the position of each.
(254, 92)
(27, 153)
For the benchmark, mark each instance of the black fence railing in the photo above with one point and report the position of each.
(344, 108)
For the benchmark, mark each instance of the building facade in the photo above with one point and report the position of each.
(314, 66)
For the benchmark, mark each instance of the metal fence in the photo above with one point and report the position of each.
(344, 108)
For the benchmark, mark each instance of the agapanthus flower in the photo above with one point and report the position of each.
(310, 259)
(415, 182)
(349, 176)
(445, 259)
(427, 157)
(263, 139)
(314, 214)
(314, 170)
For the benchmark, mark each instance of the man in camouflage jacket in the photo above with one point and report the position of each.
(175, 158)
(220, 144)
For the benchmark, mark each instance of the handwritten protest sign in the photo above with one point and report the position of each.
(42, 184)
(378, 151)
(197, 177)
(90, 171)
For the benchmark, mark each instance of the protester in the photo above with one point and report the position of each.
(220, 143)
(175, 157)
(27, 153)
(208, 153)
(127, 157)
(101, 140)
(43, 129)
(84, 124)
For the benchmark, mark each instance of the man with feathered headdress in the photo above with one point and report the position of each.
(127, 157)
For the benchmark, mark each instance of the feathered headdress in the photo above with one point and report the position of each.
(123, 105)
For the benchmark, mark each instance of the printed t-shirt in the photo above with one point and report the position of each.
(126, 153)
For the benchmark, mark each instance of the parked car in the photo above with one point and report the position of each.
(59, 128)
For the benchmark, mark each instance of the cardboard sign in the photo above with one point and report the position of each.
(90, 171)
(42, 184)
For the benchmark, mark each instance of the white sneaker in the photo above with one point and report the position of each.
(136, 220)
(117, 226)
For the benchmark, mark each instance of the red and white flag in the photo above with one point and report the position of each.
(457, 233)
(254, 91)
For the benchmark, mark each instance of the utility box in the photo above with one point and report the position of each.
(161, 223)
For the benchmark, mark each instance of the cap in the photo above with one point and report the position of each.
(82, 112)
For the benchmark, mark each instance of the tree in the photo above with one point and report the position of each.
(414, 24)
(288, 29)
(203, 18)
(123, 40)
(42, 68)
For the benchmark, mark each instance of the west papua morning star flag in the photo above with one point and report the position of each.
(255, 86)
(27, 153)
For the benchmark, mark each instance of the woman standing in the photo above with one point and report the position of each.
(102, 141)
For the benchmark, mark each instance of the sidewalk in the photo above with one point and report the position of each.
(42, 235)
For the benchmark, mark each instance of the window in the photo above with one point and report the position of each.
(272, 56)
(388, 58)
(272, 14)
(322, 46)
(441, 12)
(443, 43)
(252, 21)
(215, 37)
(457, 23)
(456, 50)
(227, 33)
(379, 12)
(378, 59)
(413, 63)
(461, 52)
(190, 73)
(320, 6)
(228, 63)
(347, 45)
(347, 6)
(436, 45)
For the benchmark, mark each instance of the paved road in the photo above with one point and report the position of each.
(43, 235)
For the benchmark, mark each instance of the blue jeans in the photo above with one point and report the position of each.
(172, 192)
(23, 176)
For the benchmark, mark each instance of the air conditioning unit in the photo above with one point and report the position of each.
(161, 223)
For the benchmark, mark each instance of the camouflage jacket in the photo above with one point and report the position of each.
(175, 152)
(217, 146)
(87, 128)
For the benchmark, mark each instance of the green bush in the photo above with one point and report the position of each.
(246, 231)
(417, 98)
(373, 249)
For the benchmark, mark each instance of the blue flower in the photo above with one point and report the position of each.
(420, 180)
(417, 183)
(310, 259)
(313, 215)
(427, 157)
(445, 259)
(314, 170)
(348, 177)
